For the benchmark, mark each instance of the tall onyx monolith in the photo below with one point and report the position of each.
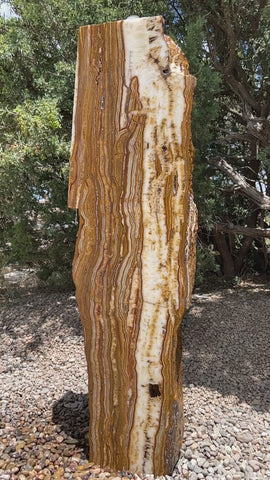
(130, 179)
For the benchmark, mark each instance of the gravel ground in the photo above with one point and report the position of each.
(44, 413)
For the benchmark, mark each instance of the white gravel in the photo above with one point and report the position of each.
(226, 364)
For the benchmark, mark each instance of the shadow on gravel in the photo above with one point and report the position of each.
(71, 412)
(226, 344)
(31, 318)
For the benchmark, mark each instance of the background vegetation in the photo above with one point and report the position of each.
(227, 45)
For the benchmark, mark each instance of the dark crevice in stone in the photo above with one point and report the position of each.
(154, 390)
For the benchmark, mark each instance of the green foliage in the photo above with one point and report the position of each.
(206, 264)
(37, 68)
(227, 44)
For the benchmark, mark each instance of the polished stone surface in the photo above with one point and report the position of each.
(130, 178)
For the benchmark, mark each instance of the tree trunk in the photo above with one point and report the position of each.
(130, 178)
(226, 256)
(247, 242)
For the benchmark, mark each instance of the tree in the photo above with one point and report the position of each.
(235, 44)
(37, 68)
(227, 45)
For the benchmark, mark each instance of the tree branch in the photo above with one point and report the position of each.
(242, 137)
(241, 91)
(177, 11)
(240, 230)
(254, 127)
(263, 201)
(240, 118)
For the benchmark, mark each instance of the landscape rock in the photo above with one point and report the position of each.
(244, 437)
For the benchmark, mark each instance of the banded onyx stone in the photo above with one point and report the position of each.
(131, 181)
